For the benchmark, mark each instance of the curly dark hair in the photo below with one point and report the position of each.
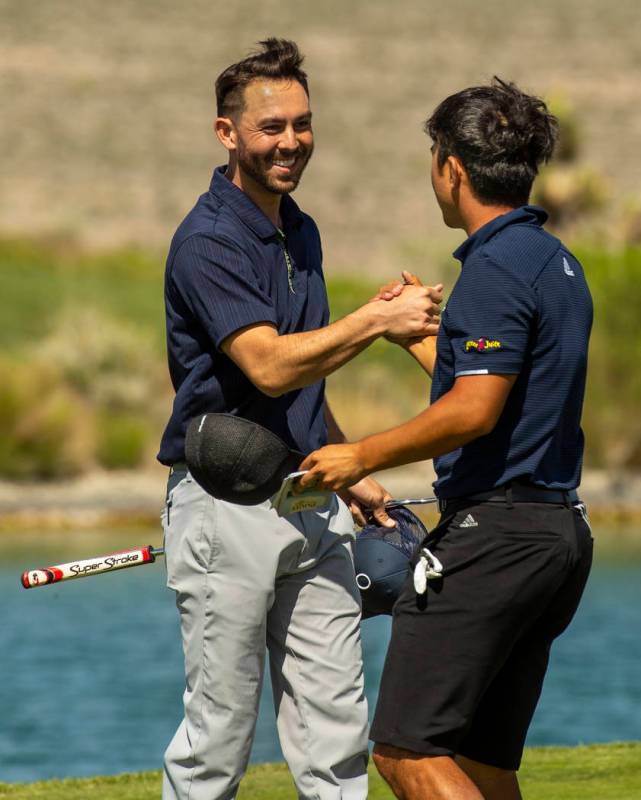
(277, 59)
(501, 136)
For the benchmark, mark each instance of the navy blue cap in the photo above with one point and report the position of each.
(382, 559)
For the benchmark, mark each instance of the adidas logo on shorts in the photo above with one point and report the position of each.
(469, 522)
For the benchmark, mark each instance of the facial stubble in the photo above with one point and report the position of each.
(257, 168)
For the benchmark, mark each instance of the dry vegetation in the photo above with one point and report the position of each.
(107, 107)
(106, 132)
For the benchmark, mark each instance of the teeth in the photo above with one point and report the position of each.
(285, 163)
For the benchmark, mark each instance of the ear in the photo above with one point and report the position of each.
(456, 171)
(225, 130)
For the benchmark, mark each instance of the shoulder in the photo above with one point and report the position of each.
(522, 252)
(209, 218)
(210, 231)
(309, 225)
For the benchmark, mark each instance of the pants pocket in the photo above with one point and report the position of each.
(189, 532)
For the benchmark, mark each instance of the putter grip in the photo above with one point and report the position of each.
(32, 578)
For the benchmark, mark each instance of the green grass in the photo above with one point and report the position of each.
(40, 279)
(596, 772)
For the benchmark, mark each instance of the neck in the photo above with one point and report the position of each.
(268, 202)
(475, 216)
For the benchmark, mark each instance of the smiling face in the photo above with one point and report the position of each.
(272, 136)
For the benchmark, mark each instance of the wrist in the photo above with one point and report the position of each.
(372, 316)
(418, 345)
(365, 456)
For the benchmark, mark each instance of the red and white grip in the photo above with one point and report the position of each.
(32, 578)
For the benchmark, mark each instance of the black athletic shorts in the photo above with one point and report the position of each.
(466, 661)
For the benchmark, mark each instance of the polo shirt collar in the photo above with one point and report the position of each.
(525, 215)
(248, 211)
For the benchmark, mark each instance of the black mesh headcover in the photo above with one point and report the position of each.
(237, 460)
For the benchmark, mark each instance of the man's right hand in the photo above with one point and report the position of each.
(411, 310)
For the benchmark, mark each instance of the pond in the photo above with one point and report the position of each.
(92, 669)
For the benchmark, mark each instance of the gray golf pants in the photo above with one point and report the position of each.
(247, 581)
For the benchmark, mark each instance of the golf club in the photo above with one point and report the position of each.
(98, 565)
(409, 501)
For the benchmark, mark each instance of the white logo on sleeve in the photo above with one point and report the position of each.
(469, 522)
(567, 268)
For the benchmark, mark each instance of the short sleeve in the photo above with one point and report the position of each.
(489, 318)
(220, 286)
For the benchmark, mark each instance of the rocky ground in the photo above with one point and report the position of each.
(129, 499)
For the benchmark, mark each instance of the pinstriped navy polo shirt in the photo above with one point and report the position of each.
(521, 306)
(227, 269)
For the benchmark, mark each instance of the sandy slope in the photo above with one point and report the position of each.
(107, 107)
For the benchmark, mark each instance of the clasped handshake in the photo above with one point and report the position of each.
(410, 317)
(421, 305)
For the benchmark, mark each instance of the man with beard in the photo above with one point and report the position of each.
(248, 334)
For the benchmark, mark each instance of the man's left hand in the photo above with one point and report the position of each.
(334, 467)
(367, 499)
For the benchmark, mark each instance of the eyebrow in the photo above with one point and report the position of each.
(277, 120)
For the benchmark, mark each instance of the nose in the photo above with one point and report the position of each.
(288, 140)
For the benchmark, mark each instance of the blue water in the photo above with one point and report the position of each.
(92, 669)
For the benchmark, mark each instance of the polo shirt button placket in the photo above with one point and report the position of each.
(288, 260)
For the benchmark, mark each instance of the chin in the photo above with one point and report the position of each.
(282, 187)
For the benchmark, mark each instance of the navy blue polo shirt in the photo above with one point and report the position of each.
(227, 269)
(521, 306)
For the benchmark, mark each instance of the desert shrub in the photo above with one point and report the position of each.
(114, 367)
(631, 224)
(566, 188)
(611, 420)
(569, 143)
(92, 392)
(110, 362)
(46, 430)
(122, 440)
(568, 192)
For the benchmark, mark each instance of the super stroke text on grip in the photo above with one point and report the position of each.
(109, 563)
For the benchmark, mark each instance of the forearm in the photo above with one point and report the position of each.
(445, 426)
(304, 358)
(277, 364)
(292, 361)
(424, 352)
(470, 409)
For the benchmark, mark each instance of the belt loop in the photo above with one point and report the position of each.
(566, 499)
(508, 496)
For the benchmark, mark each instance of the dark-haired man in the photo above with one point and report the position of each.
(469, 653)
(247, 334)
